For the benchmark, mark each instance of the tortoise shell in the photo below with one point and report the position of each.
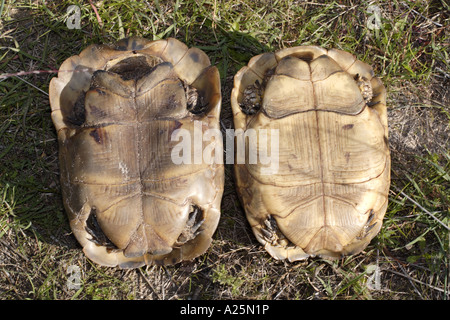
(327, 192)
(117, 109)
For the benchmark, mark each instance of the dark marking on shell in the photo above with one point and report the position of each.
(194, 56)
(122, 45)
(98, 134)
(348, 126)
(77, 115)
(97, 112)
(136, 46)
(305, 56)
(373, 103)
(132, 68)
(127, 44)
(178, 124)
(100, 91)
(347, 157)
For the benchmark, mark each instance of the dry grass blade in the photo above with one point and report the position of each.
(423, 209)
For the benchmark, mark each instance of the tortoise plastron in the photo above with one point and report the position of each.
(115, 109)
(330, 191)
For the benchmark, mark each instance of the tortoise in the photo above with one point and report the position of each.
(325, 192)
(118, 110)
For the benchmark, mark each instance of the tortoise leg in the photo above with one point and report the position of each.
(365, 87)
(276, 243)
(192, 228)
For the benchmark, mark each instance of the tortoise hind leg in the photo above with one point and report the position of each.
(192, 228)
(276, 244)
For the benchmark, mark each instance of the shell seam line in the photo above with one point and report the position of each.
(124, 198)
(138, 160)
(320, 150)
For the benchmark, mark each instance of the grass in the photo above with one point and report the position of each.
(409, 259)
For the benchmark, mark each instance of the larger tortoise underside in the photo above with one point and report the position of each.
(128, 203)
